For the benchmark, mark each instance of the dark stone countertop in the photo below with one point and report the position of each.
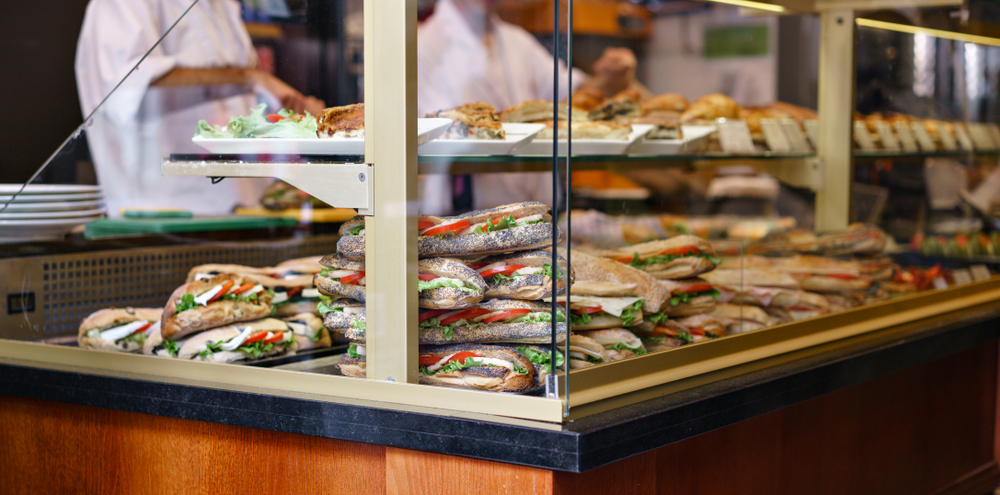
(580, 445)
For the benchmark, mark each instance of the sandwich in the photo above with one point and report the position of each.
(616, 110)
(668, 124)
(246, 341)
(291, 283)
(337, 314)
(482, 367)
(448, 284)
(739, 319)
(353, 363)
(689, 297)
(513, 227)
(213, 302)
(308, 331)
(617, 342)
(283, 196)
(341, 278)
(683, 256)
(815, 273)
(156, 345)
(119, 330)
(734, 279)
(594, 305)
(539, 111)
(523, 275)
(497, 321)
(686, 330)
(598, 269)
(587, 99)
(342, 122)
(588, 130)
(541, 357)
(585, 352)
(472, 121)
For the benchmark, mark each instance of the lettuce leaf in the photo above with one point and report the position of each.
(470, 362)
(256, 125)
(538, 317)
(353, 351)
(667, 258)
(444, 282)
(170, 346)
(658, 318)
(632, 313)
(579, 319)
(622, 347)
(519, 370)
(186, 303)
(686, 297)
(356, 230)
(210, 131)
(541, 358)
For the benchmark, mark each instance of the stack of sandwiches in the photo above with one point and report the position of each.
(482, 279)
(224, 313)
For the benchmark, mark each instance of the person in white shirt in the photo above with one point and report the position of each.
(465, 54)
(202, 70)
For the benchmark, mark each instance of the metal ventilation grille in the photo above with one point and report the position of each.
(64, 289)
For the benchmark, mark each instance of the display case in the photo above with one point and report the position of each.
(709, 250)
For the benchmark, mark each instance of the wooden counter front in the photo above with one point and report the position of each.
(928, 429)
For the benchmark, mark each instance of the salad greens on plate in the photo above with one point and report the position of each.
(284, 124)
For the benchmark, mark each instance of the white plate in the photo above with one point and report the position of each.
(427, 129)
(692, 134)
(34, 230)
(19, 207)
(516, 134)
(35, 215)
(9, 189)
(543, 147)
(48, 198)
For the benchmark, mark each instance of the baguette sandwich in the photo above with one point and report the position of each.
(156, 345)
(119, 330)
(745, 318)
(341, 278)
(815, 273)
(497, 321)
(683, 256)
(597, 269)
(585, 352)
(617, 342)
(291, 283)
(308, 330)
(213, 302)
(247, 341)
(596, 305)
(689, 297)
(513, 227)
(448, 284)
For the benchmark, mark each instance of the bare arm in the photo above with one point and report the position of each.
(289, 97)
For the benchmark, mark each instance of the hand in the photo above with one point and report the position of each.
(615, 69)
(289, 97)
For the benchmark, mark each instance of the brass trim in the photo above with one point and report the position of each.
(328, 388)
(614, 379)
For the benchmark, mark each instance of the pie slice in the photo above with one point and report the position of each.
(590, 130)
(472, 121)
(341, 122)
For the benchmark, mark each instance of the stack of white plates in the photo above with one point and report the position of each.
(43, 211)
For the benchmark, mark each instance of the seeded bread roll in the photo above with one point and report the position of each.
(531, 287)
(450, 297)
(498, 332)
(340, 321)
(334, 288)
(217, 313)
(354, 367)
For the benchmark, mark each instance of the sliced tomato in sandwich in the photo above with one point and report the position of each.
(506, 270)
(426, 315)
(689, 289)
(351, 279)
(451, 227)
(466, 315)
(427, 277)
(511, 313)
(595, 309)
(842, 276)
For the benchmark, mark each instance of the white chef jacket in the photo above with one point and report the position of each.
(140, 124)
(454, 68)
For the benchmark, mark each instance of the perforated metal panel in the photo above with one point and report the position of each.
(47, 296)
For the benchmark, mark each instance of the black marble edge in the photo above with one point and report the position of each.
(618, 434)
(582, 444)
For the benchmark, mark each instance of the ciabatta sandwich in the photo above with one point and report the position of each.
(690, 297)
(595, 305)
(246, 341)
(597, 269)
(743, 318)
(213, 302)
(585, 352)
(308, 330)
(119, 330)
(679, 257)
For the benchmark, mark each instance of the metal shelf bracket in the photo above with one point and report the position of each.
(341, 185)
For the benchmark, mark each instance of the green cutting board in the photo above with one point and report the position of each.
(114, 227)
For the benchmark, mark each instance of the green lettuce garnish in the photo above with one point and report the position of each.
(579, 319)
(622, 347)
(519, 370)
(256, 125)
(170, 346)
(358, 325)
(136, 337)
(444, 282)
(356, 230)
(632, 313)
(352, 351)
(685, 297)
(470, 362)
(659, 318)
(538, 317)
(186, 303)
(667, 258)
(541, 358)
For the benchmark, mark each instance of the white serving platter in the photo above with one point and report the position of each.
(48, 198)
(32, 189)
(427, 130)
(516, 135)
(19, 207)
(543, 147)
(691, 136)
(49, 215)
(33, 230)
